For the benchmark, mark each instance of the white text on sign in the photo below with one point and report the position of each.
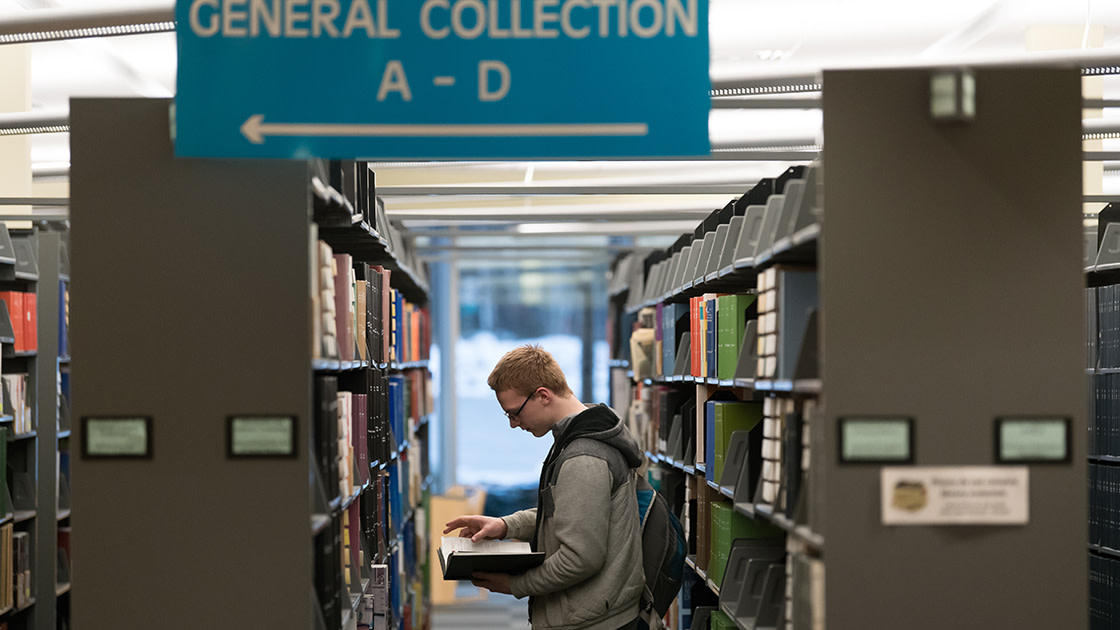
(395, 81)
(441, 19)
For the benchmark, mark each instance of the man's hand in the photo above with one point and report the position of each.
(496, 582)
(478, 527)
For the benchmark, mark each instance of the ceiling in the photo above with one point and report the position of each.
(750, 39)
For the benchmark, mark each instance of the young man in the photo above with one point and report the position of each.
(586, 519)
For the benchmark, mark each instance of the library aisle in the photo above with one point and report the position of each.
(490, 611)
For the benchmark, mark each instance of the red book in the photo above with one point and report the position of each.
(14, 301)
(31, 321)
(344, 321)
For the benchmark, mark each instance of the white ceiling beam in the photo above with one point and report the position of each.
(56, 24)
(543, 188)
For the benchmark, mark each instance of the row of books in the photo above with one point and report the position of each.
(345, 195)
(375, 534)
(17, 403)
(360, 316)
(667, 419)
(785, 453)
(1104, 592)
(1104, 505)
(410, 400)
(1103, 326)
(729, 336)
(726, 527)
(15, 567)
(23, 312)
(327, 579)
(371, 425)
(787, 299)
(1104, 416)
(717, 332)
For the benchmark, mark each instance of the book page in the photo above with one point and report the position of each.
(455, 543)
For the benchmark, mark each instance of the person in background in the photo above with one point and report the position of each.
(586, 519)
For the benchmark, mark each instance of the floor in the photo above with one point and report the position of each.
(481, 610)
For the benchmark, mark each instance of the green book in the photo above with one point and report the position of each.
(731, 328)
(731, 416)
(728, 526)
(719, 620)
(721, 512)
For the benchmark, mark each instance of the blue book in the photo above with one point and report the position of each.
(398, 327)
(396, 410)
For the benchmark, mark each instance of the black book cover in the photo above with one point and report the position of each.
(326, 431)
(460, 564)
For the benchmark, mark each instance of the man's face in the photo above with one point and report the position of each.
(524, 412)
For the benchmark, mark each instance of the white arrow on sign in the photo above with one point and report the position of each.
(256, 130)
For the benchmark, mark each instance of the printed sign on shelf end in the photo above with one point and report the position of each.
(955, 495)
(442, 79)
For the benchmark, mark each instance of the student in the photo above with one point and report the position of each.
(586, 519)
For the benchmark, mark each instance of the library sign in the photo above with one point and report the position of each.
(442, 79)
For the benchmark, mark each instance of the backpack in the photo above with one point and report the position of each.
(664, 548)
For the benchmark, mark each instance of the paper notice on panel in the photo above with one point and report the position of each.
(955, 495)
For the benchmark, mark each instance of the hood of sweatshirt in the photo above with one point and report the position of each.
(597, 422)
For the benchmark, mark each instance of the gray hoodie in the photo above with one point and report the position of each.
(587, 524)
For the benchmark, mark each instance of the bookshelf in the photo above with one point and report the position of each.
(915, 265)
(1102, 304)
(33, 275)
(283, 483)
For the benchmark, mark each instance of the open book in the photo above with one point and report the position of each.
(459, 557)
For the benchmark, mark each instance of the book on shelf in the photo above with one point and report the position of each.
(707, 433)
(709, 325)
(326, 431)
(361, 310)
(360, 436)
(460, 557)
(733, 312)
(16, 304)
(328, 573)
(344, 449)
(21, 558)
(730, 416)
(386, 317)
(695, 311)
(727, 526)
(324, 325)
(7, 567)
(344, 305)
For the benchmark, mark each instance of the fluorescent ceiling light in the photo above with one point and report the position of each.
(621, 229)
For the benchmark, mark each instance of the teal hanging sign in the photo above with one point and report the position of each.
(442, 79)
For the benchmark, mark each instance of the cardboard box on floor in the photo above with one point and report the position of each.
(457, 501)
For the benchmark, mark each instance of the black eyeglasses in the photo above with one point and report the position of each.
(514, 415)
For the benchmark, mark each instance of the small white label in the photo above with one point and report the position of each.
(949, 495)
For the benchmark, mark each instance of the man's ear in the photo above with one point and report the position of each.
(546, 395)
